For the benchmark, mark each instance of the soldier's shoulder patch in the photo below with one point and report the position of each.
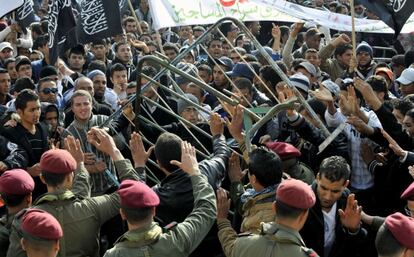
(244, 234)
(309, 252)
(170, 226)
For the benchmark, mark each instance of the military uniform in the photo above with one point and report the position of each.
(5, 226)
(80, 215)
(179, 241)
(274, 241)
(12, 182)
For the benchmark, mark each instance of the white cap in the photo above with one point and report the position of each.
(300, 81)
(331, 86)
(407, 76)
(4, 45)
(309, 67)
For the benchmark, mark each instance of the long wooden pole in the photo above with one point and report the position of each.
(135, 16)
(352, 6)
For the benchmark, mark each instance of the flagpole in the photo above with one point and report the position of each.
(352, 6)
(135, 16)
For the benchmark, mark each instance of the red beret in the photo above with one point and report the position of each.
(295, 193)
(39, 223)
(409, 193)
(284, 150)
(57, 161)
(402, 228)
(16, 182)
(135, 194)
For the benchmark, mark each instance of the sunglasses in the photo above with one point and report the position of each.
(47, 90)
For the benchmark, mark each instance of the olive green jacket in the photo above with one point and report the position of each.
(180, 240)
(5, 226)
(274, 241)
(80, 215)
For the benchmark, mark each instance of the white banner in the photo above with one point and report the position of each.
(172, 13)
(7, 6)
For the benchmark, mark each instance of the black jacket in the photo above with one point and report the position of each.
(11, 154)
(18, 136)
(176, 192)
(313, 232)
(315, 137)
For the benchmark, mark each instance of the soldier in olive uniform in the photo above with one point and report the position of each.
(277, 239)
(68, 198)
(16, 187)
(145, 237)
(41, 234)
(395, 238)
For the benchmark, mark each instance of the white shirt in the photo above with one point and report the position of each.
(329, 220)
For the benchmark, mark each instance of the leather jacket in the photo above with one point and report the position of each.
(176, 192)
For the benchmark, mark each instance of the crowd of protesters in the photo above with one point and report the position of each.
(176, 177)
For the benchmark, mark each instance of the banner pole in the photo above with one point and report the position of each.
(352, 6)
(135, 16)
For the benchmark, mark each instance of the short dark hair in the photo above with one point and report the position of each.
(386, 243)
(341, 49)
(335, 168)
(40, 41)
(43, 80)
(23, 83)
(37, 244)
(243, 83)
(410, 113)
(208, 43)
(170, 46)
(206, 68)
(378, 84)
(128, 19)
(97, 42)
(136, 215)
(117, 67)
(288, 212)
(270, 75)
(168, 148)
(149, 71)
(120, 43)
(25, 96)
(12, 200)
(97, 65)
(402, 105)
(3, 71)
(53, 179)
(266, 166)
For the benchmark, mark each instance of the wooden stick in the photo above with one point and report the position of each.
(135, 16)
(351, 2)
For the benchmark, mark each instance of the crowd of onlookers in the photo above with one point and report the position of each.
(44, 105)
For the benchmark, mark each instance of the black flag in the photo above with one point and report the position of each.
(98, 19)
(25, 14)
(61, 28)
(394, 13)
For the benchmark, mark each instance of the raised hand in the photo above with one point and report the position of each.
(235, 172)
(73, 146)
(139, 155)
(322, 94)
(351, 217)
(395, 147)
(216, 125)
(101, 140)
(223, 204)
(235, 126)
(275, 32)
(188, 162)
